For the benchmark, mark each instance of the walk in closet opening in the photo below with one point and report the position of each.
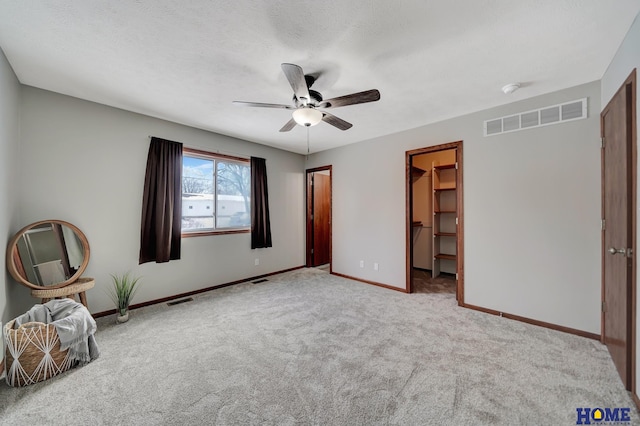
(434, 211)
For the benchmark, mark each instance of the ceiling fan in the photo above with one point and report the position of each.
(307, 103)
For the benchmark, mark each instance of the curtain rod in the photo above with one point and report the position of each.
(217, 151)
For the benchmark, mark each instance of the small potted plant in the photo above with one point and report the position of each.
(124, 288)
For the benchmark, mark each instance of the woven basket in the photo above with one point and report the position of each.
(33, 353)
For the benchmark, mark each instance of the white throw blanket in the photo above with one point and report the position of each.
(74, 324)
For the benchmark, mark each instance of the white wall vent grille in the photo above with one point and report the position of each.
(568, 111)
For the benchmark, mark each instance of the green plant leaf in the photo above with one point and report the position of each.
(123, 290)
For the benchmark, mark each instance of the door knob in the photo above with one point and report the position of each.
(616, 251)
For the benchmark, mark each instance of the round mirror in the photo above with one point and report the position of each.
(49, 253)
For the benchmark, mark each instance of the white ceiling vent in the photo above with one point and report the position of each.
(569, 111)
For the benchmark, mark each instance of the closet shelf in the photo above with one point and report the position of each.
(445, 256)
(444, 166)
(445, 234)
(445, 209)
(416, 173)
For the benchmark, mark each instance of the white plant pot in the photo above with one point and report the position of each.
(123, 318)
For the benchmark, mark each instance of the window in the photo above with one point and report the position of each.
(217, 190)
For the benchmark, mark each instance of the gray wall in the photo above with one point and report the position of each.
(531, 205)
(626, 59)
(9, 142)
(84, 163)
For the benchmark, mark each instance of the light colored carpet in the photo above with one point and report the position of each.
(307, 347)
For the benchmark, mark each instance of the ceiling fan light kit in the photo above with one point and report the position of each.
(307, 116)
(306, 101)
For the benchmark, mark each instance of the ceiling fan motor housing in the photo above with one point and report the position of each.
(315, 96)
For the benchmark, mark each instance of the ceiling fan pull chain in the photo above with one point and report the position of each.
(307, 143)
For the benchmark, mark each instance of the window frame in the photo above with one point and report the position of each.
(207, 155)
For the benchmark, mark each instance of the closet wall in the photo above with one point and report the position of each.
(423, 208)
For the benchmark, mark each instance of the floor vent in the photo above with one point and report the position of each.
(568, 111)
(177, 302)
(264, 280)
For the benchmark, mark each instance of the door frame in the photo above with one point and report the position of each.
(457, 145)
(630, 86)
(309, 210)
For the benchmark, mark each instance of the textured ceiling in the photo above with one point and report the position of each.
(187, 61)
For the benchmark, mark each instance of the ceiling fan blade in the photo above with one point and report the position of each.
(352, 99)
(290, 125)
(335, 121)
(295, 75)
(261, 105)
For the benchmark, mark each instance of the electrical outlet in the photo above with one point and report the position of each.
(257, 262)
(375, 266)
(362, 263)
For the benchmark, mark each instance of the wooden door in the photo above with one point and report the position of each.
(617, 203)
(321, 218)
(318, 217)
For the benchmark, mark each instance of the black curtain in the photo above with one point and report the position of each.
(162, 203)
(260, 224)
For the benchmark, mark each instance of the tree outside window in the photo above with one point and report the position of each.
(214, 201)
